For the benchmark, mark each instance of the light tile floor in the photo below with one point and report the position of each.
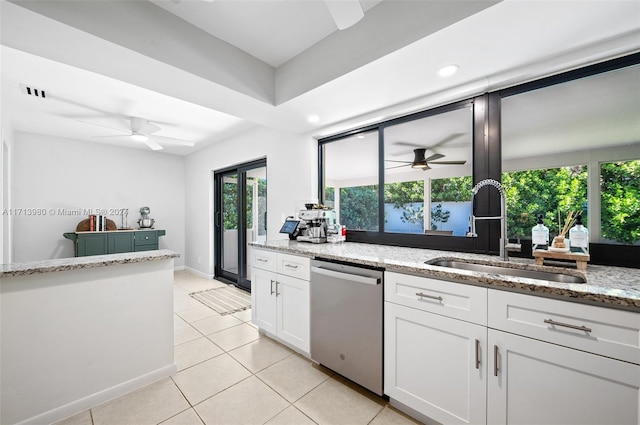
(228, 373)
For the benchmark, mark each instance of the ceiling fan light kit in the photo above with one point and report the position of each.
(139, 137)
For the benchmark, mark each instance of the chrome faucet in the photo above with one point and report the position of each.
(505, 246)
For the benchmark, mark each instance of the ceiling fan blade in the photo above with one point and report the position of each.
(449, 162)
(153, 145)
(449, 138)
(143, 126)
(434, 157)
(174, 141)
(397, 166)
(104, 126)
(393, 160)
(345, 13)
(122, 136)
(410, 145)
(149, 129)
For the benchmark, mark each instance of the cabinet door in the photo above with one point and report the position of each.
(119, 242)
(91, 244)
(263, 299)
(436, 365)
(146, 240)
(293, 311)
(542, 383)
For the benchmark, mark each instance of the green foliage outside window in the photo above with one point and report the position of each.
(359, 207)
(620, 201)
(230, 204)
(545, 192)
(451, 189)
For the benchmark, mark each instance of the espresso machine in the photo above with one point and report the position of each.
(316, 224)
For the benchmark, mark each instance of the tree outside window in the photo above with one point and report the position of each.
(620, 201)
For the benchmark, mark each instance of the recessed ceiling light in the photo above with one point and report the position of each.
(447, 71)
(313, 118)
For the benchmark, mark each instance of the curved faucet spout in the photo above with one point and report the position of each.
(504, 254)
(487, 182)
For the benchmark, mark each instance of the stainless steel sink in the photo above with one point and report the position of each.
(510, 271)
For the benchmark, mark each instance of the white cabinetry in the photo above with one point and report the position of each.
(280, 297)
(435, 363)
(457, 354)
(532, 381)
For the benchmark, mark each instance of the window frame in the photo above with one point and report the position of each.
(487, 163)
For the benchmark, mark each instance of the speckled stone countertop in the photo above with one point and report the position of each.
(606, 286)
(62, 264)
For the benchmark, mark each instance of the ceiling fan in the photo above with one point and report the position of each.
(421, 162)
(141, 130)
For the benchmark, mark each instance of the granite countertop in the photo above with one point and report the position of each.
(62, 264)
(606, 286)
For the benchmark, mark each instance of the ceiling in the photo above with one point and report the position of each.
(204, 71)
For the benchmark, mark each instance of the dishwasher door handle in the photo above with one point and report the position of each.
(346, 276)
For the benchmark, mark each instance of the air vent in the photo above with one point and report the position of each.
(32, 91)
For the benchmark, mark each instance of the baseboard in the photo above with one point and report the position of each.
(80, 405)
(412, 412)
(198, 273)
(179, 268)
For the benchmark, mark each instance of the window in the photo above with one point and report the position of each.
(418, 153)
(568, 142)
(351, 180)
(620, 202)
(548, 191)
(451, 205)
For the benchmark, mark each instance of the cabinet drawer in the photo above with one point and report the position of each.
(264, 260)
(294, 266)
(599, 330)
(460, 301)
(146, 238)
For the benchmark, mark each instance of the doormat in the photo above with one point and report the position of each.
(224, 300)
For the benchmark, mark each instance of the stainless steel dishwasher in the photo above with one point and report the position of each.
(346, 321)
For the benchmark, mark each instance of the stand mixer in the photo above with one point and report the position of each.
(144, 221)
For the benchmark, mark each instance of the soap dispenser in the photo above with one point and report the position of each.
(539, 235)
(579, 237)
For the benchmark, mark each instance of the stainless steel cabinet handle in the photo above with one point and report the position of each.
(291, 266)
(477, 354)
(567, 325)
(277, 293)
(495, 360)
(421, 295)
(272, 286)
(262, 260)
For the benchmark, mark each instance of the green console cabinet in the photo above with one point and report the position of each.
(114, 242)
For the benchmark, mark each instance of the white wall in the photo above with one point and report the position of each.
(52, 173)
(6, 150)
(291, 181)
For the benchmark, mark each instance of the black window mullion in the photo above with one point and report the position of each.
(381, 180)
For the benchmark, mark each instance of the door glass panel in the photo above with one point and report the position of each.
(256, 212)
(230, 223)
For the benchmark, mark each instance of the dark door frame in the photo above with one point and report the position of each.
(240, 279)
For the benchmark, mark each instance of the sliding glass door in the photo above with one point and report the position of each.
(240, 213)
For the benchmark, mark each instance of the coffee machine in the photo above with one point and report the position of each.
(316, 224)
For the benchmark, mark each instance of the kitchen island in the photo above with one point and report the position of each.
(80, 331)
